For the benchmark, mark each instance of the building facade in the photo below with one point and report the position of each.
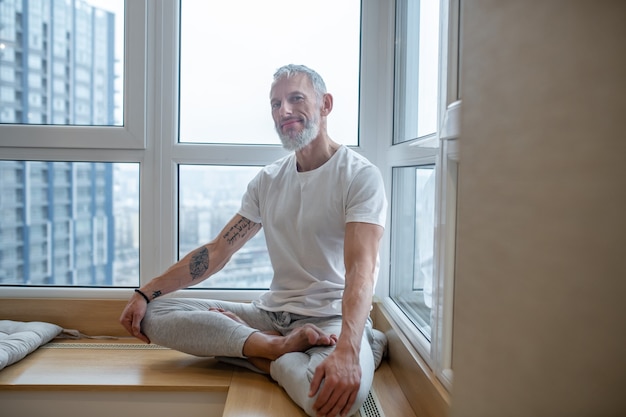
(56, 67)
(57, 63)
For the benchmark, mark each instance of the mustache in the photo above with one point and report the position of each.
(286, 120)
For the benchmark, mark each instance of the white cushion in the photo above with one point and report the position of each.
(18, 339)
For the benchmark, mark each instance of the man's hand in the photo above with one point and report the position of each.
(341, 374)
(132, 315)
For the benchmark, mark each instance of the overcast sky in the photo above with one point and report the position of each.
(230, 49)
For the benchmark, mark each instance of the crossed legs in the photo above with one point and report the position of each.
(287, 347)
(219, 328)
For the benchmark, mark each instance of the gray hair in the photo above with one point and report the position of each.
(292, 69)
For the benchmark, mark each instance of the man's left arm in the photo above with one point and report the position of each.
(341, 371)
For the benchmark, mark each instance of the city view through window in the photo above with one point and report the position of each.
(69, 223)
(209, 197)
(61, 63)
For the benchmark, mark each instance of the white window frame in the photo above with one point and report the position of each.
(149, 137)
(441, 148)
(150, 132)
(132, 135)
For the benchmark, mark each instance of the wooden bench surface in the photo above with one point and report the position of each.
(114, 368)
(248, 390)
(124, 367)
(129, 369)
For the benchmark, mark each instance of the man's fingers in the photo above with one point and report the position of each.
(349, 404)
(335, 403)
(328, 395)
(318, 376)
(136, 328)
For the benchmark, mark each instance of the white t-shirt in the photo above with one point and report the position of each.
(304, 215)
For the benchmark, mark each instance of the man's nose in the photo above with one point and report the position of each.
(285, 109)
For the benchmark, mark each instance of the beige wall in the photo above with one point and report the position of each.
(540, 316)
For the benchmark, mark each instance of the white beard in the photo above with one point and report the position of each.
(297, 141)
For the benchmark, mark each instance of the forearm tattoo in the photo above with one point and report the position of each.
(239, 230)
(199, 263)
(156, 293)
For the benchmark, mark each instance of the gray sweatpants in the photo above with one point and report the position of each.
(187, 325)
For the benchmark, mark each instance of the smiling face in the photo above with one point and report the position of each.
(295, 110)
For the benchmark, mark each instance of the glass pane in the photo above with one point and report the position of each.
(413, 243)
(209, 197)
(69, 223)
(228, 58)
(61, 62)
(417, 69)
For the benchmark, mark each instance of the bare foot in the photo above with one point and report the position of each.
(272, 347)
(307, 336)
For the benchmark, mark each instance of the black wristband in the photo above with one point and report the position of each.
(138, 291)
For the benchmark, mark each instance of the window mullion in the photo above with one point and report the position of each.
(158, 214)
(439, 149)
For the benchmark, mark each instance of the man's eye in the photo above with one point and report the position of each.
(275, 105)
(296, 99)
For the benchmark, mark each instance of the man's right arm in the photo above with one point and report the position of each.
(204, 261)
(194, 268)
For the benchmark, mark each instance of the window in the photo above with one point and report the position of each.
(87, 65)
(413, 244)
(423, 173)
(70, 188)
(417, 69)
(216, 50)
(117, 199)
(74, 223)
(94, 201)
(94, 44)
(228, 104)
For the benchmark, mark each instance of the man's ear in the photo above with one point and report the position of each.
(327, 104)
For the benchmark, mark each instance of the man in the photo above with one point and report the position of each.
(323, 210)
